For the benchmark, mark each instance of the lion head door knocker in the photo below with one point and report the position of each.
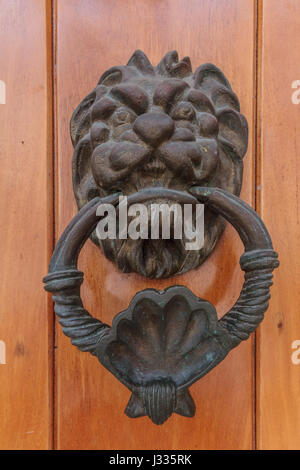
(161, 127)
(161, 134)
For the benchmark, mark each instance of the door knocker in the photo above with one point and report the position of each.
(161, 134)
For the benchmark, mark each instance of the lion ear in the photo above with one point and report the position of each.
(111, 77)
(80, 120)
(213, 82)
(116, 75)
(233, 128)
(207, 73)
(233, 131)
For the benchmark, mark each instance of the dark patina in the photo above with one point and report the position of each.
(165, 127)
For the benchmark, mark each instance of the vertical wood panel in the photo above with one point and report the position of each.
(25, 225)
(278, 404)
(92, 36)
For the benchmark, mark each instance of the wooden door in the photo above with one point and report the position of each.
(54, 395)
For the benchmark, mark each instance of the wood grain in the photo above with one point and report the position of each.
(92, 36)
(26, 225)
(278, 384)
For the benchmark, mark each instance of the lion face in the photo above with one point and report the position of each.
(163, 126)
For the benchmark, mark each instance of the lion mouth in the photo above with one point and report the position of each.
(160, 193)
(136, 165)
(155, 258)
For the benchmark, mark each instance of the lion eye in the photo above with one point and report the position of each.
(122, 116)
(183, 111)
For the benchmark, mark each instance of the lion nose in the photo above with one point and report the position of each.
(154, 128)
